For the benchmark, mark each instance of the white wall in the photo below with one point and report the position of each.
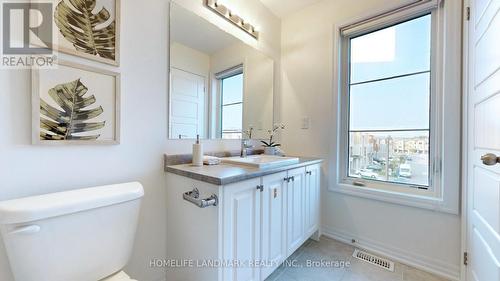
(29, 170)
(269, 43)
(428, 239)
(189, 59)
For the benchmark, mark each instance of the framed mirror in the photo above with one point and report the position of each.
(220, 87)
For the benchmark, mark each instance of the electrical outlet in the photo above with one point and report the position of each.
(306, 122)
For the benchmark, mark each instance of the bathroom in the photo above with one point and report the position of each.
(428, 231)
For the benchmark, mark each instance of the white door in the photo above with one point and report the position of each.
(241, 230)
(273, 223)
(483, 187)
(312, 199)
(295, 209)
(187, 105)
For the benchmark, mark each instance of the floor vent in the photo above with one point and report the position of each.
(370, 258)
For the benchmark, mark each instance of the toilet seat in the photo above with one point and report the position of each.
(120, 276)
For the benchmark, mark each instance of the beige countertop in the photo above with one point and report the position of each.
(224, 173)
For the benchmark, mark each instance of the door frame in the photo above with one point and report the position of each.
(465, 139)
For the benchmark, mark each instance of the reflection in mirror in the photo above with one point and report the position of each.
(219, 86)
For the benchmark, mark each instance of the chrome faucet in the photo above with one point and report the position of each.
(244, 147)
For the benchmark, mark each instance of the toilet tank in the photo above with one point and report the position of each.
(79, 235)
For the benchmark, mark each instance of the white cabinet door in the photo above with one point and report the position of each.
(273, 223)
(241, 230)
(312, 200)
(295, 209)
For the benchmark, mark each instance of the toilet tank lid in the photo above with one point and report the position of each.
(45, 206)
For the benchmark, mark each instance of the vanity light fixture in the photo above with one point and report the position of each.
(224, 12)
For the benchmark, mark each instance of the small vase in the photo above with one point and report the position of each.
(268, 150)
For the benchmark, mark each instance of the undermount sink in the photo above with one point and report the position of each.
(261, 161)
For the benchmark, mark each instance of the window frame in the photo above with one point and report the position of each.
(228, 73)
(436, 197)
(433, 188)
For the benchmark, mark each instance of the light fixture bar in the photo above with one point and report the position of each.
(224, 12)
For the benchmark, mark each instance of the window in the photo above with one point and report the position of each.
(232, 105)
(399, 106)
(389, 104)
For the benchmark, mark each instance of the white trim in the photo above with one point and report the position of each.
(465, 139)
(445, 197)
(232, 71)
(405, 199)
(240, 69)
(389, 17)
(425, 263)
(163, 278)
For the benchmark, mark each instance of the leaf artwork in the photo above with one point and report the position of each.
(63, 125)
(85, 29)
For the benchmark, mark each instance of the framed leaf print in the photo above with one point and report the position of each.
(88, 28)
(75, 104)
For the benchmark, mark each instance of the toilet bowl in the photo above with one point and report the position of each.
(79, 235)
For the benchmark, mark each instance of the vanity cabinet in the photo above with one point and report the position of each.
(256, 224)
(273, 222)
(295, 194)
(242, 229)
(312, 199)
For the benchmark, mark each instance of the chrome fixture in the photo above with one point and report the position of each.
(194, 197)
(244, 148)
(490, 159)
(224, 12)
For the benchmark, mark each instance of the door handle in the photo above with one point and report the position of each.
(490, 159)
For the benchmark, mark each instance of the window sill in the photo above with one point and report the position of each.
(405, 199)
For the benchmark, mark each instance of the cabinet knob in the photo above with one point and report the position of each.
(309, 173)
(260, 187)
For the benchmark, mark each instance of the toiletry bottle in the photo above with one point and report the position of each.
(197, 152)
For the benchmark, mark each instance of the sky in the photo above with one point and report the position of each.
(400, 103)
(232, 92)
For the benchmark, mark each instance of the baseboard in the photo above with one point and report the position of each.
(164, 278)
(428, 264)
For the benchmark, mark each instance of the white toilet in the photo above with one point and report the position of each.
(80, 235)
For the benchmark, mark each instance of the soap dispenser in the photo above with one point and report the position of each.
(197, 152)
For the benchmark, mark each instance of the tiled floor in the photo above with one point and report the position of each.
(328, 250)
